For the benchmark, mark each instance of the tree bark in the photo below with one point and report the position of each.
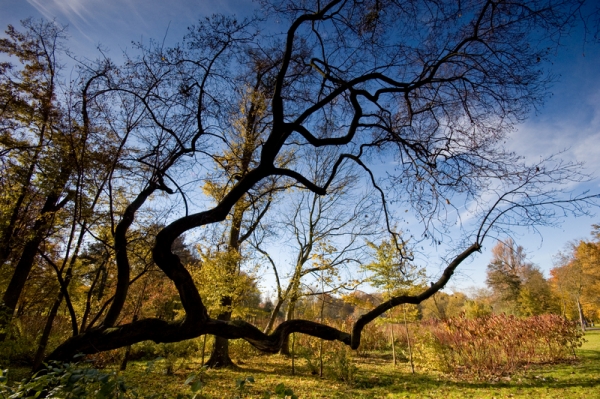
(273, 316)
(393, 343)
(161, 331)
(410, 355)
(121, 255)
(7, 233)
(289, 315)
(39, 354)
(581, 317)
(23, 268)
(219, 357)
(198, 323)
(123, 365)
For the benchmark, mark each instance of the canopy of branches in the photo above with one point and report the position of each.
(102, 175)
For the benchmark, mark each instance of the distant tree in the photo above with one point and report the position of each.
(536, 296)
(576, 280)
(250, 121)
(326, 235)
(587, 254)
(479, 302)
(505, 274)
(393, 274)
(442, 305)
(56, 163)
(518, 286)
(35, 141)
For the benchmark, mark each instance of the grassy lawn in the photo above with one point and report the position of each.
(375, 377)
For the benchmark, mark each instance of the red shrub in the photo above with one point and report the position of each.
(497, 344)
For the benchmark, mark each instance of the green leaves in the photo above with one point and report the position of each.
(280, 392)
(197, 385)
(240, 385)
(196, 382)
(67, 380)
(391, 271)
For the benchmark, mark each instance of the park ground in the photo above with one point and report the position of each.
(374, 377)
(371, 375)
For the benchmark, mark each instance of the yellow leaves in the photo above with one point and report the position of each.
(240, 154)
(578, 280)
(219, 277)
(213, 189)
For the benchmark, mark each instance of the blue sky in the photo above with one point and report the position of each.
(569, 121)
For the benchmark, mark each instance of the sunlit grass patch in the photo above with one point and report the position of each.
(376, 377)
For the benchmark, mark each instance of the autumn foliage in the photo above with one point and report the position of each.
(498, 344)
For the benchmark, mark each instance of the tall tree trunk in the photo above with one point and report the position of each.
(39, 354)
(293, 353)
(289, 315)
(46, 109)
(203, 349)
(581, 317)
(410, 356)
(25, 264)
(136, 312)
(121, 257)
(219, 357)
(123, 366)
(6, 236)
(273, 316)
(393, 339)
(322, 319)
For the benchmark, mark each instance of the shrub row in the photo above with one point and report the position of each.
(496, 344)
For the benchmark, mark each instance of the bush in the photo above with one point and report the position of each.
(17, 351)
(105, 359)
(342, 367)
(23, 334)
(67, 380)
(149, 350)
(373, 338)
(496, 344)
(242, 350)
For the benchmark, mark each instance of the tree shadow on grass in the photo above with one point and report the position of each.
(376, 377)
(580, 377)
(589, 354)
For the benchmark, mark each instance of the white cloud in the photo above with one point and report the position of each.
(570, 119)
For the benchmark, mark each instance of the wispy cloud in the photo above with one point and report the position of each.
(570, 120)
(75, 12)
(73, 9)
(118, 21)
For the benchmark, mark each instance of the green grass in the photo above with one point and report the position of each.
(375, 377)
